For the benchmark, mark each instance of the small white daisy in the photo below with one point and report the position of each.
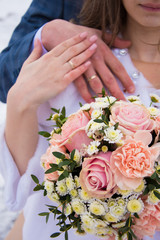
(93, 147)
(112, 135)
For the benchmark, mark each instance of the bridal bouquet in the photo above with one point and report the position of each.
(102, 169)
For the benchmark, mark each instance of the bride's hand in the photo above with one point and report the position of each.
(42, 78)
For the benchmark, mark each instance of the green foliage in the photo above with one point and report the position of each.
(44, 134)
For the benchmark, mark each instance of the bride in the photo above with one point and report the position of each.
(30, 99)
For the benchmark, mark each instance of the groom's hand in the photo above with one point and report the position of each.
(104, 64)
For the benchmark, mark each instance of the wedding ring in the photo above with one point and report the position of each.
(92, 77)
(71, 64)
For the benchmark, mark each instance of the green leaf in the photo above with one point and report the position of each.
(146, 191)
(59, 155)
(44, 134)
(157, 194)
(63, 175)
(136, 215)
(80, 104)
(35, 179)
(124, 229)
(63, 112)
(55, 110)
(50, 170)
(154, 175)
(66, 235)
(64, 163)
(47, 218)
(54, 235)
(116, 125)
(129, 235)
(72, 154)
(38, 187)
(151, 187)
(98, 120)
(103, 92)
(73, 165)
(43, 214)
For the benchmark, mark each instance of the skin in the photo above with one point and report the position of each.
(103, 62)
(48, 84)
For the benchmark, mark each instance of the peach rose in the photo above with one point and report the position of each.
(131, 117)
(96, 176)
(134, 160)
(148, 222)
(48, 158)
(73, 133)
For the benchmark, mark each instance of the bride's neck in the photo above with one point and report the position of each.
(145, 42)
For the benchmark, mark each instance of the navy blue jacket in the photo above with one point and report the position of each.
(39, 12)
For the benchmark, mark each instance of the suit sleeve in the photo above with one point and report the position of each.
(12, 58)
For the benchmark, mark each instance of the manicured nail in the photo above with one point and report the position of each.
(83, 35)
(131, 90)
(93, 46)
(93, 38)
(87, 63)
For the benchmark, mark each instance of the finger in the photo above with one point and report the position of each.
(93, 80)
(118, 70)
(83, 89)
(36, 53)
(81, 58)
(118, 42)
(57, 51)
(109, 81)
(79, 48)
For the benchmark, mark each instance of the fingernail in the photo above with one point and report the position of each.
(131, 89)
(93, 38)
(87, 63)
(93, 46)
(83, 35)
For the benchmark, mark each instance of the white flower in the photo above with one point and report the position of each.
(135, 206)
(112, 135)
(53, 197)
(133, 98)
(84, 195)
(49, 186)
(94, 126)
(96, 113)
(86, 107)
(55, 116)
(99, 105)
(70, 183)
(154, 112)
(77, 182)
(78, 206)
(87, 220)
(61, 188)
(93, 147)
(110, 218)
(117, 211)
(74, 193)
(97, 208)
(68, 209)
(154, 98)
(77, 157)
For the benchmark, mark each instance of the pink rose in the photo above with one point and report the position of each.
(73, 134)
(48, 158)
(131, 117)
(134, 160)
(96, 176)
(158, 123)
(148, 222)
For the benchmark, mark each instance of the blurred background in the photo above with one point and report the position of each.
(11, 12)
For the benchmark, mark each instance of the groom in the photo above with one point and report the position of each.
(52, 33)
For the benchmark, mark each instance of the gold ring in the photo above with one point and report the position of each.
(71, 64)
(92, 77)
